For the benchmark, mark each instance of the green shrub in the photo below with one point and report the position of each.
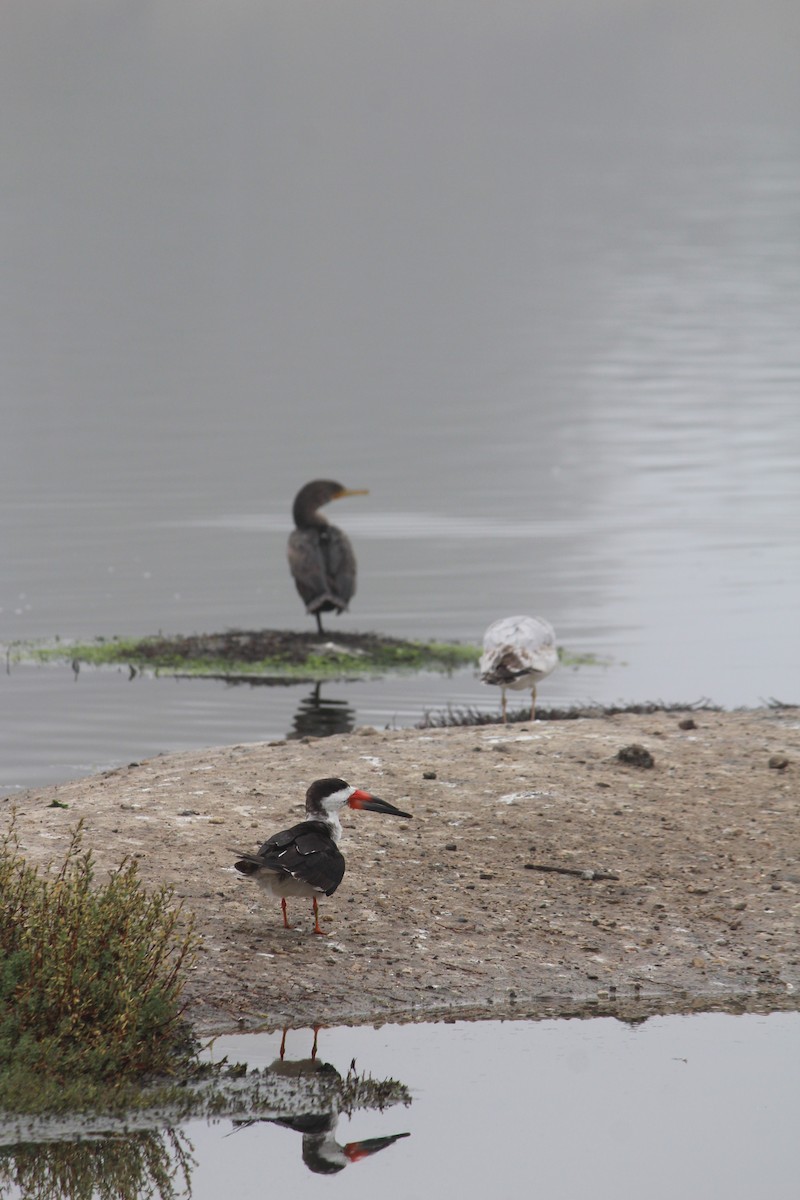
(90, 974)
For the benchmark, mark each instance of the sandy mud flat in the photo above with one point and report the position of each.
(540, 875)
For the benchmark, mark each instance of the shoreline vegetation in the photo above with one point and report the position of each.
(90, 984)
(267, 655)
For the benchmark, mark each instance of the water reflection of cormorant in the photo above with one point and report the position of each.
(318, 716)
(517, 652)
(322, 1153)
(321, 558)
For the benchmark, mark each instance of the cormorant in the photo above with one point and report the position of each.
(321, 558)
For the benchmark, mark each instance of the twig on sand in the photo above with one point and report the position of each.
(581, 874)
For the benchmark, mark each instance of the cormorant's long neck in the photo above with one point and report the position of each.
(305, 516)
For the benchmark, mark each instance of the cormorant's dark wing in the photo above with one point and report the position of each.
(323, 567)
(306, 851)
(307, 564)
(340, 563)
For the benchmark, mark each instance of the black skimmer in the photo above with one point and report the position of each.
(321, 558)
(305, 860)
(517, 653)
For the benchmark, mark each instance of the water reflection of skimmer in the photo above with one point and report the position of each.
(321, 1152)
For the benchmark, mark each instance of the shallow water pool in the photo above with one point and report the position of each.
(701, 1106)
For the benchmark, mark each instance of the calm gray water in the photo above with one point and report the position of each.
(530, 273)
(699, 1106)
(703, 1106)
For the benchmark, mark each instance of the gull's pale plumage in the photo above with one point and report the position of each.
(517, 653)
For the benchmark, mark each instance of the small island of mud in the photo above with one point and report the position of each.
(544, 872)
(269, 656)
